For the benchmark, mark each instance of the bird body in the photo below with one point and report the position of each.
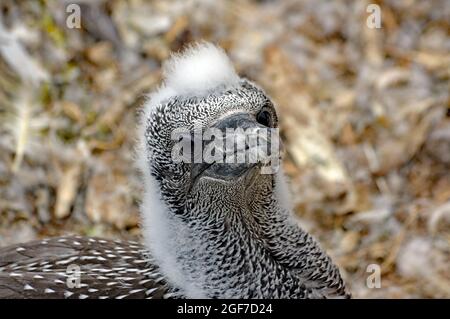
(212, 230)
(80, 267)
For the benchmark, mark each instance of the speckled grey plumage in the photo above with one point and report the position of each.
(108, 269)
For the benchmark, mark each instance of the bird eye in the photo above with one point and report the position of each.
(263, 117)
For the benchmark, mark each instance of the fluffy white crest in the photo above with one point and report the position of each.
(199, 69)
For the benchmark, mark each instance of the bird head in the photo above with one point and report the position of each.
(208, 134)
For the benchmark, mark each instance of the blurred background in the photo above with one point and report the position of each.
(365, 116)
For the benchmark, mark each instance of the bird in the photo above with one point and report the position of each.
(210, 230)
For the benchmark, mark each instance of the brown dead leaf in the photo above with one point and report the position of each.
(100, 53)
(67, 190)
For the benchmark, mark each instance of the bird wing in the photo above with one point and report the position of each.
(79, 267)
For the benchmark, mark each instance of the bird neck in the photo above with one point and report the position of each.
(218, 255)
(226, 250)
(243, 253)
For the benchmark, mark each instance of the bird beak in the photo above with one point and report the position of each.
(245, 156)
